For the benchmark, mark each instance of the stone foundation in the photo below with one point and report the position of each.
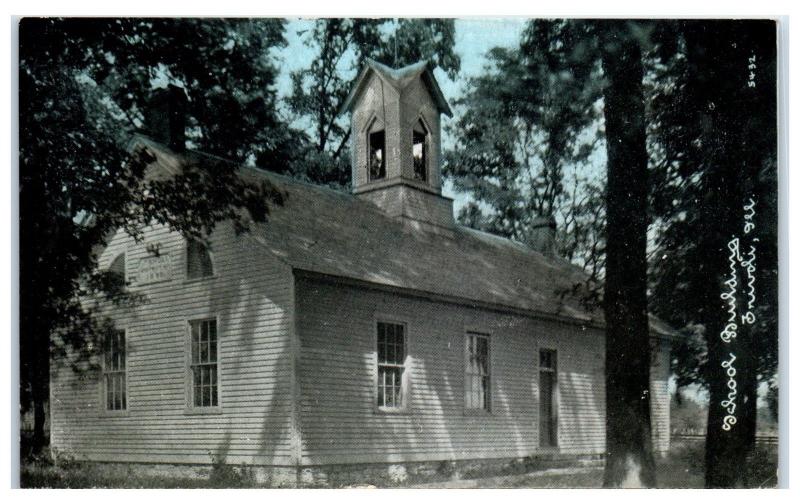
(379, 475)
(405, 474)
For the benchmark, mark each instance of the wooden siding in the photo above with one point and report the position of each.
(659, 395)
(251, 295)
(339, 423)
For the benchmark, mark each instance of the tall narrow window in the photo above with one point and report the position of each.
(391, 365)
(198, 260)
(477, 377)
(377, 155)
(420, 152)
(548, 410)
(204, 370)
(114, 379)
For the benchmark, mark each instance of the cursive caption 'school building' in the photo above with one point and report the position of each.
(352, 332)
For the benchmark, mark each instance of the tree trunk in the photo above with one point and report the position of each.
(719, 55)
(629, 455)
(730, 437)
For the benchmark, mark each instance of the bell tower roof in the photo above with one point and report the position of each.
(398, 78)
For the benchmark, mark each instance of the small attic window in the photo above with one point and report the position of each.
(198, 260)
(118, 266)
(377, 155)
(420, 152)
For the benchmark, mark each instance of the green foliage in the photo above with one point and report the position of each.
(704, 122)
(84, 84)
(525, 134)
(319, 90)
(687, 415)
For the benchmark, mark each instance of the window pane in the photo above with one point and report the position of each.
(117, 392)
(108, 353)
(122, 364)
(212, 330)
(381, 351)
(400, 351)
(381, 381)
(203, 350)
(195, 339)
(123, 380)
(109, 392)
(390, 357)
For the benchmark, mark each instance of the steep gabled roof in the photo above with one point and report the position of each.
(332, 233)
(398, 79)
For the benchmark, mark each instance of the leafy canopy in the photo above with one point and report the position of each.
(84, 88)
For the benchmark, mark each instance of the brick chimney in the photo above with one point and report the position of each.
(542, 235)
(165, 117)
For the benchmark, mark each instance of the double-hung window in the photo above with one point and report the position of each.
(204, 368)
(477, 378)
(391, 365)
(114, 371)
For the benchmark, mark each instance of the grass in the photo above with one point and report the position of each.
(682, 468)
(68, 473)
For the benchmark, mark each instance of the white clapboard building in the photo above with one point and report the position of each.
(352, 332)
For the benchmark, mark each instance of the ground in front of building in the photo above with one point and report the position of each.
(682, 468)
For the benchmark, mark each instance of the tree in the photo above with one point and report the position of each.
(84, 84)
(629, 457)
(524, 123)
(319, 90)
(718, 138)
(523, 141)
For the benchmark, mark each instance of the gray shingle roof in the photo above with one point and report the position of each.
(398, 78)
(324, 231)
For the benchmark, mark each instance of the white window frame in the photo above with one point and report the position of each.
(405, 385)
(468, 333)
(189, 368)
(104, 372)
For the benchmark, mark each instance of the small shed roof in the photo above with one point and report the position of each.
(333, 233)
(397, 78)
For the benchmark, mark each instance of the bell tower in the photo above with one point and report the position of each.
(396, 142)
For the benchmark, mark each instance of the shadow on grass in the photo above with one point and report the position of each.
(682, 468)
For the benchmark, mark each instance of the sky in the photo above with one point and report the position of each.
(474, 38)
